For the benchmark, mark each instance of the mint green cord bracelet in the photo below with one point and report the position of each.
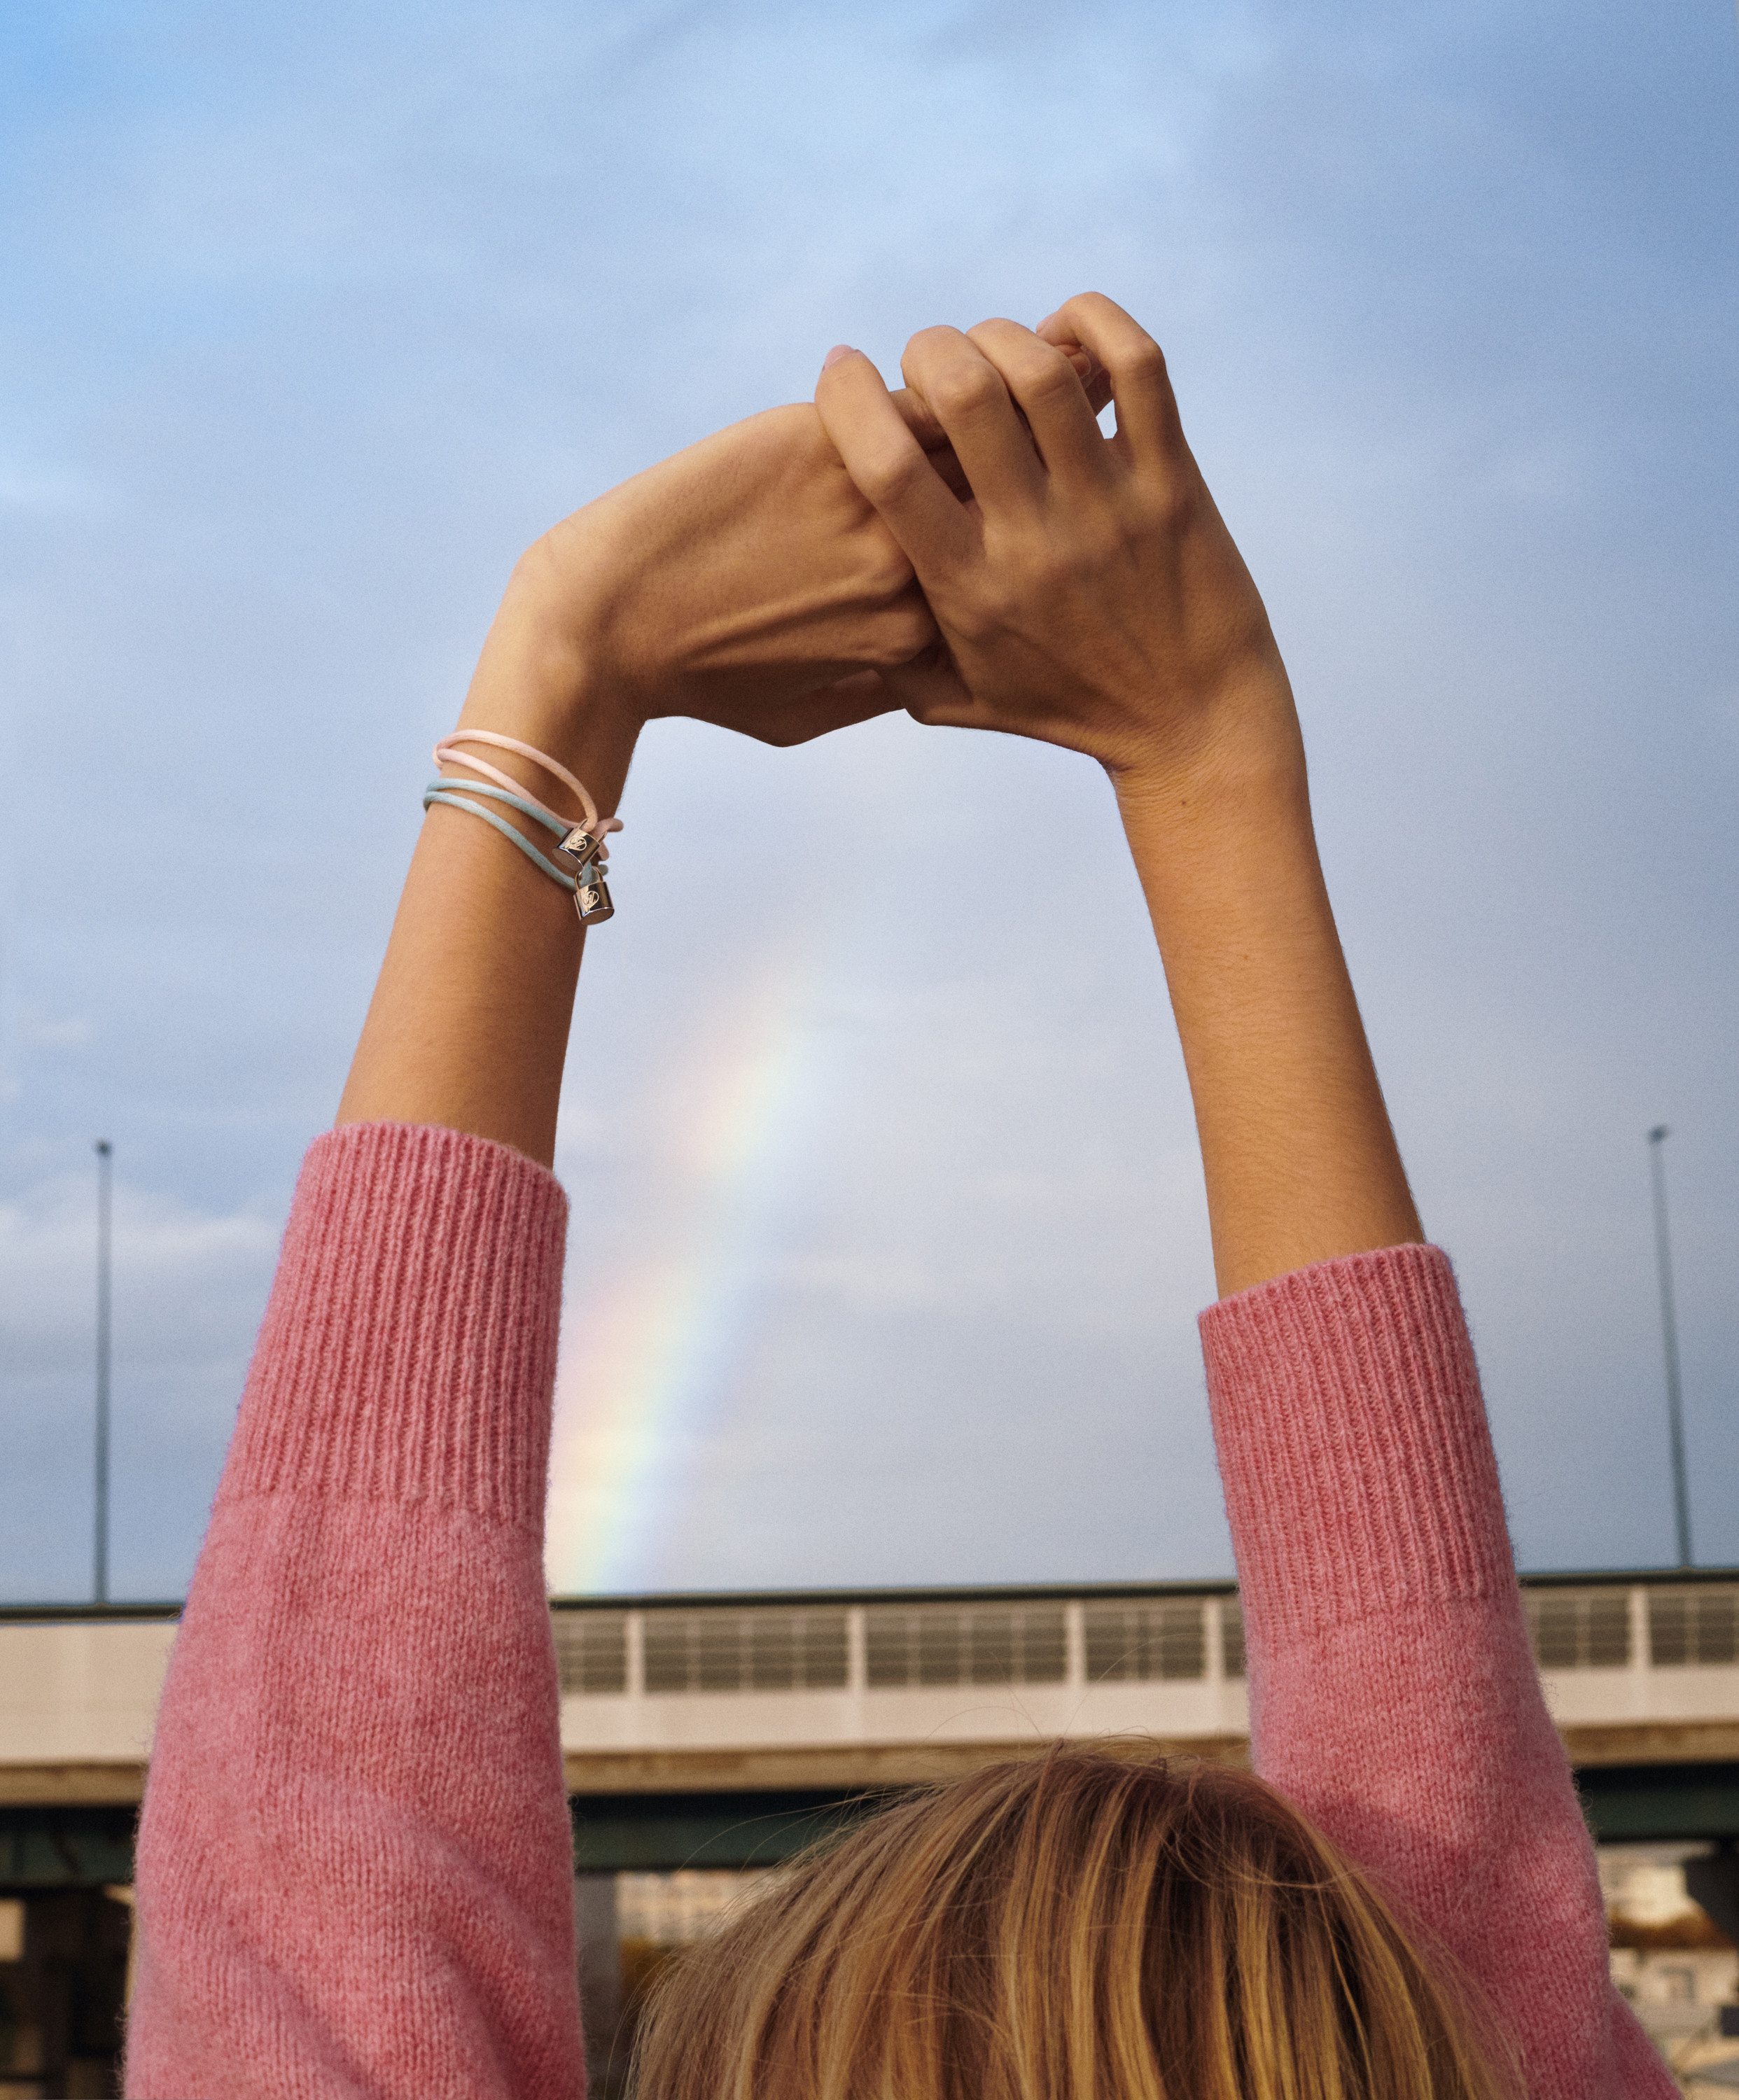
(439, 790)
(581, 841)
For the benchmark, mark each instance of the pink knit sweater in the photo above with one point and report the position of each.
(353, 1859)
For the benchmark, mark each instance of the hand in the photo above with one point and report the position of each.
(1088, 594)
(744, 581)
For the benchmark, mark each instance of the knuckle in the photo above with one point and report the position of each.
(1047, 379)
(889, 474)
(996, 329)
(966, 393)
(1143, 360)
(1101, 308)
(926, 353)
(930, 338)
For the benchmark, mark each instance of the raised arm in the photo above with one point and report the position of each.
(354, 1863)
(1089, 595)
(745, 582)
(1092, 597)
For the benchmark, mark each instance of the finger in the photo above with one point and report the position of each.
(918, 417)
(1048, 390)
(965, 392)
(948, 463)
(915, 413)
(888, 465)
(1146, 407)
(1096, 381)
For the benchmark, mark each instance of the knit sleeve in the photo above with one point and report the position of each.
(353, 1860)
(1393, 1693)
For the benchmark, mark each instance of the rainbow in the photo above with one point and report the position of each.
(651, 1342)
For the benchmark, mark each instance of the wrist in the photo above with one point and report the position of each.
(545, 677)
(1230, 744)
(1228, 863)
(1243, 807)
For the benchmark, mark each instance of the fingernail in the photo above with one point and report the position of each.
(840, 349)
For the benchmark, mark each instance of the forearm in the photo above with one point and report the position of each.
(468, 1026)
(1096, 600)
(1299, 1157)
(737, 582)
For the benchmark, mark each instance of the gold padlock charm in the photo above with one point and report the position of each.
(592, 900)
(579, 844)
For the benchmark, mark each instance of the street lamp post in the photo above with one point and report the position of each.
(1663, 1261)
(105, 1153)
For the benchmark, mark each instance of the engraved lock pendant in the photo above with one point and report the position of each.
(592, 900)
(579, 846)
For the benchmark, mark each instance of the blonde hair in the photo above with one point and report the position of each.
(1088, 1925)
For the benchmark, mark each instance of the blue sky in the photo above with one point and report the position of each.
(894, 1235)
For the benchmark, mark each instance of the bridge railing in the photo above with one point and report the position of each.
(768, 1647)
(654, 1647)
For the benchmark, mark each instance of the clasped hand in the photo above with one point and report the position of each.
(974, 548)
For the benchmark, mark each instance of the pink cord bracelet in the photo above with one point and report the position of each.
(582, 839)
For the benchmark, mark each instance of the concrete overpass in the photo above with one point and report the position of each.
(714, 1729)
(721, 1733)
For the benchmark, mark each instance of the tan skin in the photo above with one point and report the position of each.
(744, 581)
(1091, 596)
(1076, 589)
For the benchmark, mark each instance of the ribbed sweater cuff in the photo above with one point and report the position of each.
(1353, 1445)
(408, 1349)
